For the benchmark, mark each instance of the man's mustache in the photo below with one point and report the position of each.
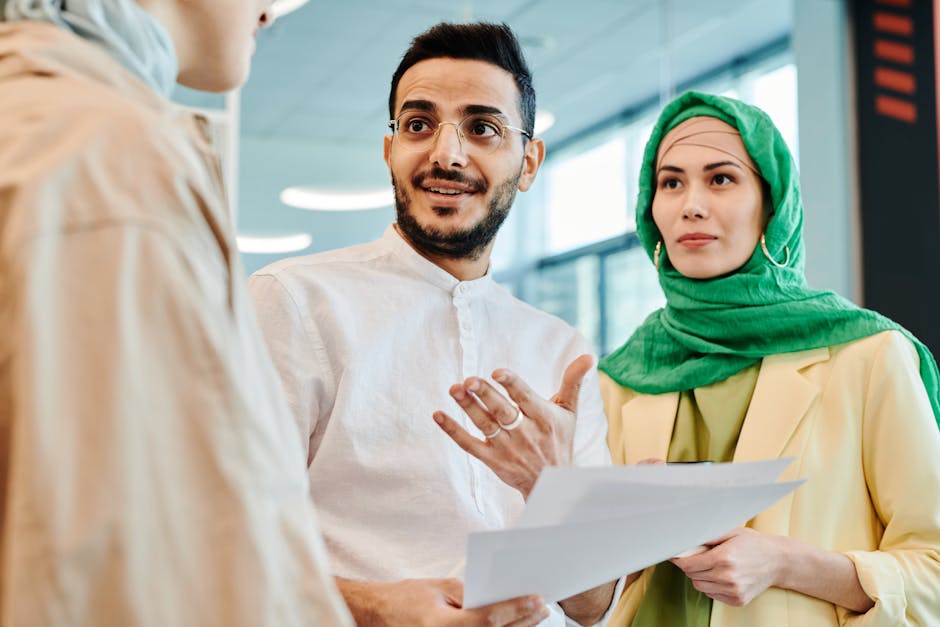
(449, 175)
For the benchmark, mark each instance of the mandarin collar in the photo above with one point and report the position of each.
(430, 272)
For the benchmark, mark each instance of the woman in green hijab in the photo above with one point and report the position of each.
(747, 362)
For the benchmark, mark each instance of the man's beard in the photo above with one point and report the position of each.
(464, 244)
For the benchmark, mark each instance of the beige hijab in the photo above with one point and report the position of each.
(707, 132)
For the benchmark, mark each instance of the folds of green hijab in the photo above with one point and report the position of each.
(713, 328)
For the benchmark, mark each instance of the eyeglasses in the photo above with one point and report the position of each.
(478, 132)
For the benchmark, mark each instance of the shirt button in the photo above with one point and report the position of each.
(461, 289)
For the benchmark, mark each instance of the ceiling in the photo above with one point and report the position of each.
(314, 109)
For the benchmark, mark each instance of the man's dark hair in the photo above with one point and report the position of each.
(480, 41)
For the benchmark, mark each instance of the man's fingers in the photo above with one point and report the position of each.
(453, 591)
(464, 440)
(567, 395)
(497, 405)
(478, 414)
(520, 393)
(521, 611)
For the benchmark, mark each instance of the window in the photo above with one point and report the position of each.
(569, 290)
(631, 293)
(775, 93)
(587, 194)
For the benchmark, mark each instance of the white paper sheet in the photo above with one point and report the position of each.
(585, 526)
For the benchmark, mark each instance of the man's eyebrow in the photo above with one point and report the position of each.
(473, 109)
(418, 105)
(476, 109)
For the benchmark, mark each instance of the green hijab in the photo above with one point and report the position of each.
(712, 328)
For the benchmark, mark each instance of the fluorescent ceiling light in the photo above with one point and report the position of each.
(544, 120)
(269, 245)
(280, 8)
(337, 200)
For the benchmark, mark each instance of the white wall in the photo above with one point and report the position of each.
(826, 96)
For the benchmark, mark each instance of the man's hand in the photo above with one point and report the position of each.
(736, 567)
(520, 442)
(433, 603)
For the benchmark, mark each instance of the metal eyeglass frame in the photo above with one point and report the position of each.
(394, 124)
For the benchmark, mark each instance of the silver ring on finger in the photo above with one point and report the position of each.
(490, 436)
(516, 422)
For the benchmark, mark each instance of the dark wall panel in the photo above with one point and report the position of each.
(898, 161)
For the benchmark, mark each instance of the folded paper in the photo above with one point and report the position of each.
(586, 526)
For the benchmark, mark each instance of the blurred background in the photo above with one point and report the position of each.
(302, 141)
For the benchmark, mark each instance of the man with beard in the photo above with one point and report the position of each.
(371, 340)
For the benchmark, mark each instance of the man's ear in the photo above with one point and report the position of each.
(387, 151)
(532, 161)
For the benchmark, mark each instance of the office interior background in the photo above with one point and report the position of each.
(302, 141)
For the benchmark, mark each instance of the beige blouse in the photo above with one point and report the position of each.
(150, 471)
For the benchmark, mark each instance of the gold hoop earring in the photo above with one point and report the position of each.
(763, 245)
(656, 253)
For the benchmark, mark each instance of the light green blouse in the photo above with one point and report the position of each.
(708, 423)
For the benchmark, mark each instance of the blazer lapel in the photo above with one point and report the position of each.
(781, 399)
(647, 422)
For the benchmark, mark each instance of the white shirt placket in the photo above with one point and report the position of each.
(469, 365)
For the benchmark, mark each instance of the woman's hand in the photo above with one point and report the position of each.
(737, 567)
(740, 565)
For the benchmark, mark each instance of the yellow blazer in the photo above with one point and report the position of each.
(858, 421)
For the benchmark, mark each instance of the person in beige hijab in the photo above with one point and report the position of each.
(150, 473)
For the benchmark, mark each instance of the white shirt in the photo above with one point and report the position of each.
(368, 340)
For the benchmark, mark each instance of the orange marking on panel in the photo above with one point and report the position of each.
(896, 3)
(895, 80)
(894, 23)
(896, 108)
(894, 51)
